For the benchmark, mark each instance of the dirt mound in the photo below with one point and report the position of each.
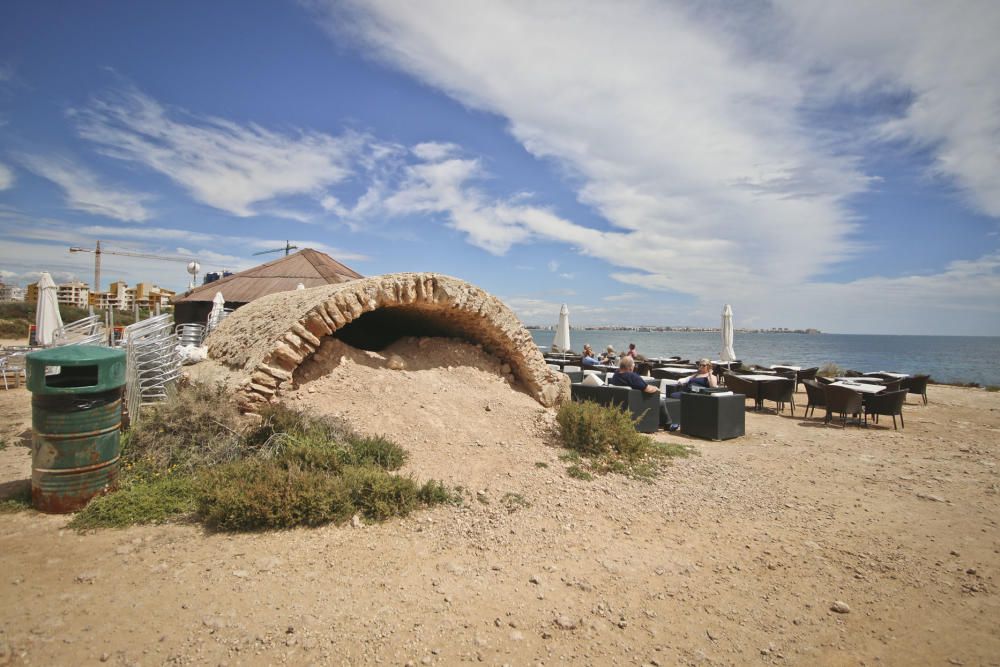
(434, 396)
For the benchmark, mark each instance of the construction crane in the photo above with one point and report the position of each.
(288, 246)
(128, 253)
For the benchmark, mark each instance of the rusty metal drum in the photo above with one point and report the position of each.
(76, 419)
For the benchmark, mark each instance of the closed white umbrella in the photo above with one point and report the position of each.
(561, 341)
(218, 310)
(47, 317)
(728, 354)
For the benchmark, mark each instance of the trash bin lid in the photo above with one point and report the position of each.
(76, 355)
(75, 369)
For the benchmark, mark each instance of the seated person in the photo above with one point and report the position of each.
(703, 378)
(632, 352)
(626, 376)
(589, 358)
(610, 357)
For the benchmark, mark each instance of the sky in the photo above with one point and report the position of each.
(814, 164)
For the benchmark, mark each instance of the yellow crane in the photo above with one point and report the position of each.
(127, 253)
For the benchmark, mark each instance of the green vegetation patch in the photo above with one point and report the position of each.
(196, 456)
(603, 439)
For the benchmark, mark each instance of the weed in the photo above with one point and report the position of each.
(17, 502)
(577, 472)
(514, 502)
(541, 464)
(152, 501)
(992, 387)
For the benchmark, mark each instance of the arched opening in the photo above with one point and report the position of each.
(377, 329)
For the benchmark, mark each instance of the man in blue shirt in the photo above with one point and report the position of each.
(626, 376)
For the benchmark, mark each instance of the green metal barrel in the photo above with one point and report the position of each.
(76, 419)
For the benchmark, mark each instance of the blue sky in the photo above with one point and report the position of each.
(815, 164)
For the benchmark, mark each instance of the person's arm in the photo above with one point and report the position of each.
(651, 389)
(712, 380)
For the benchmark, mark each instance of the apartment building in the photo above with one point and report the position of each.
(122, 297)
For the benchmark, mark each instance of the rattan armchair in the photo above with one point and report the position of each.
(917, 384)
(842, 401)
(780, 391)
(740, 386)
(816, 396)
(889, 403)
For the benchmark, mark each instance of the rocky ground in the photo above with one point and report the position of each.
(797, 544)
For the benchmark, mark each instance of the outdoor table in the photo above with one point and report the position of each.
(687, 369)
(761, 378)
(672, 373)
(861, 388)
(662, 360)
(780, 367)
(898, 376)
(725, 364)
(859, 379)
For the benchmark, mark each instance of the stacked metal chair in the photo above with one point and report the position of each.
(153, 364)
(88, 331)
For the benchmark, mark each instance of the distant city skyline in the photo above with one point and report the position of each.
(814, 164)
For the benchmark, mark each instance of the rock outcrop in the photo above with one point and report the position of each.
(270, 338)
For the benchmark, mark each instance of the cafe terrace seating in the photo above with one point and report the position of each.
(816, 396)
(889, 403)
(917, 384)
(780, 391)
(740, 386)
(843, 401)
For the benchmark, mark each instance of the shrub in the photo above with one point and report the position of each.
(152, 501)
(199, 426)
(255, 495)
(992, 387)
(830, 370)
(592, 429)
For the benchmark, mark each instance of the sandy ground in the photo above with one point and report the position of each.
(732, 556)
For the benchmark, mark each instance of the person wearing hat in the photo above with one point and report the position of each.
(589, 358)
(610, 357)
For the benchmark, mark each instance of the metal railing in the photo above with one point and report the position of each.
(152, 362)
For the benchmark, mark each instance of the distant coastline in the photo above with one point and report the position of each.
(539, 327)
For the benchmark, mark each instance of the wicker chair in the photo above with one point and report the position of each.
(889, 403)
(806, 374)
(893, 385)
(740, 386)
(842, 401)
(917, 385)
(816, 396)
(823, 380)
(780, 391)
(853, 374)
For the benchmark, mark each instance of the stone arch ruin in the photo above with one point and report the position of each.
(272, 336)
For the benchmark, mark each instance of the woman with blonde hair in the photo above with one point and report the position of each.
(703, 378)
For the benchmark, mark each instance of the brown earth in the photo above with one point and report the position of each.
(733, 556)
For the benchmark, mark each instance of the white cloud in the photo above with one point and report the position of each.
(697, 130)
(693, 151)
(84, 190)
(226, 165)
(942, 56)
(6, 177)
(553, 265)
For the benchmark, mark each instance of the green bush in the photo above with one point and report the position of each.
(830, 370)
(148, 501)
(195, 454)
(255, 495)
(593, 430)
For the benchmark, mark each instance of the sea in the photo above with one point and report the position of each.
(953, 359)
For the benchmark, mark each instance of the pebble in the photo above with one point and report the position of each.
(566, 623)
(534, 579)
(840, 607)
